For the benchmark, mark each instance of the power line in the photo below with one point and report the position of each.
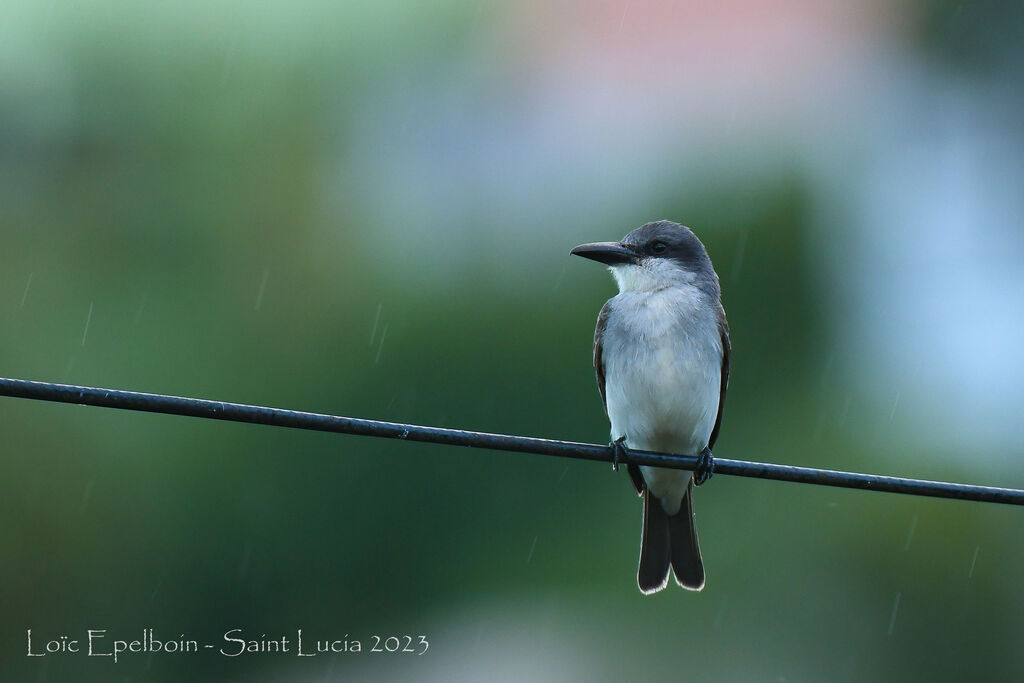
(239, 412)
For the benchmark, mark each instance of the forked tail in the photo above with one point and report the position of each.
(669, 542)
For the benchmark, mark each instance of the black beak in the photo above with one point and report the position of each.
(608, 253)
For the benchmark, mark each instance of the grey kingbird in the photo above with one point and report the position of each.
(661, 354)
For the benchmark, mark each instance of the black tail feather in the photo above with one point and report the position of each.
(686, 560)
(669, 542)
(655, 546)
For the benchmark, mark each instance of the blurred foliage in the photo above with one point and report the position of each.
(971, 38)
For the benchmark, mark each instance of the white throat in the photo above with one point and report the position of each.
(650, 276)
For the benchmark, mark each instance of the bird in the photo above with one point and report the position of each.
(661, 356)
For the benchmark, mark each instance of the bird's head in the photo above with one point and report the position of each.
(653, 257)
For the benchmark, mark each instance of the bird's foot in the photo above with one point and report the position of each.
(705, 467)
(618, 452)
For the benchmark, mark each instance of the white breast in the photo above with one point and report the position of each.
(662, 357)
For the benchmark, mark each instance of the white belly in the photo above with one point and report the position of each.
(663, 369)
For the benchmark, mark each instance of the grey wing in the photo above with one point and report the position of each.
(723, 330)
(602, 323)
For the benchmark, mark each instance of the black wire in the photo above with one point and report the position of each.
(238, 412)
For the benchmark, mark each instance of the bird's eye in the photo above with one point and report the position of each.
(659, 247)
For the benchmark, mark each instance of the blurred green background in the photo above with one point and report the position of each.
(366, 209)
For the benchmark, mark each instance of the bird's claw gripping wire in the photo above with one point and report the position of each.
(618, 452)
(705, 467)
